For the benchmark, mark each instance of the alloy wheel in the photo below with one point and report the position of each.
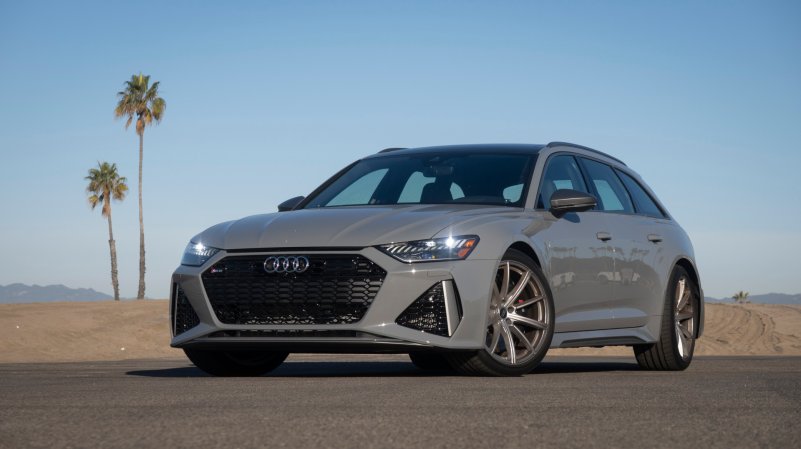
(518, 316)
(684, 318)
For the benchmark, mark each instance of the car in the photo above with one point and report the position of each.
(473, 258)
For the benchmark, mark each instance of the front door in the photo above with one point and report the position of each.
(579, 254)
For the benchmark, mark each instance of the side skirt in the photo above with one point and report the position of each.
(609, 337)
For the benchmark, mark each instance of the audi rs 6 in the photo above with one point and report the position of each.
(476, 258)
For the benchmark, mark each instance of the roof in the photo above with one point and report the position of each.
(507, 148)
(469, 148)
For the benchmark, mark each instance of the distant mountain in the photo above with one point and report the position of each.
(20, 293)
(768, 298)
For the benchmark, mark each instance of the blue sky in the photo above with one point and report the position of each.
(267, 99)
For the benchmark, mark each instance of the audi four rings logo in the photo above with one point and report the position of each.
(286, 264)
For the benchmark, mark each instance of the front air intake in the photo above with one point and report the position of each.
(437, 311)
(182, 314)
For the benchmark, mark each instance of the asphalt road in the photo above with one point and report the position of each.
(726, 402)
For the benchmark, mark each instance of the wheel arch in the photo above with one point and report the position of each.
(526, 249)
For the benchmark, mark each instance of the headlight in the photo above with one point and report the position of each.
(432, 250)
(196, 254)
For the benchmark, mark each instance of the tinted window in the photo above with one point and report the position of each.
(359, 192)
(642, 200)
(612, 196)
(562, 172)
(413, 190)
(472, 178)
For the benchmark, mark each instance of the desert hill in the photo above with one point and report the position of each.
(21, 293)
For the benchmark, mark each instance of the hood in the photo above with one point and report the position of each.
(346, 226)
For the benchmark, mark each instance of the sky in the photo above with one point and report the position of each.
(265, 100)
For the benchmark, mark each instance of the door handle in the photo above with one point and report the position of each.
(604, 236)
(655, 238)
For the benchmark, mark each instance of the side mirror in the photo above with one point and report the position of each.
(567, 200)
(290, 204)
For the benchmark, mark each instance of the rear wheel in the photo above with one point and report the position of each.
(674, 350)
(235, 363)
(520, 323)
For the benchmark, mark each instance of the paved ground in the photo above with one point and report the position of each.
(719, 402)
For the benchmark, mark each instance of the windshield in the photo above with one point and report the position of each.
(492, 179)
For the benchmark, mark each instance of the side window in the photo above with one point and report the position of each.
(642, 200)
(612, 196)
(361, 191)
(562, 172)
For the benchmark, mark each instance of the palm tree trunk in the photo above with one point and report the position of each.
(141, 293)
(113, 248)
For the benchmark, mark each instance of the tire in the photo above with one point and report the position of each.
(430, 361)
(674, 350)
(525, 322)
(235, 363)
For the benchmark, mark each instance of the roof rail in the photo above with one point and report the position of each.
(389, 150)
(568, 144)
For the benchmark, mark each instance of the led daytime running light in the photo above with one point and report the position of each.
(432, 250)
(196, 254)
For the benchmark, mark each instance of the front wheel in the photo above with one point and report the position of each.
(674, 350)
(520, 321)
(235, 363)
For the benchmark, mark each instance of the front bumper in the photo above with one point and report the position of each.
(376, 331)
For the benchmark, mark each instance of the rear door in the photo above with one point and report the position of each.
(650, 227)
(633, 278)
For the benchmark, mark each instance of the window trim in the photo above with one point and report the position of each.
(659, 206)
(590, 186)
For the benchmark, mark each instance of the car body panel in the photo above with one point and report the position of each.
(345, 226)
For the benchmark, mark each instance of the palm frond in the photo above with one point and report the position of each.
(94, 200)
(140, 99)
(105, 184)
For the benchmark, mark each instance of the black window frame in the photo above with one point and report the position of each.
(659, 207)
(591, 187)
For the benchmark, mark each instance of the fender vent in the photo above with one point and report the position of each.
(427, 313)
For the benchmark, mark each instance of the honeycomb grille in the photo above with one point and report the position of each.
(335, 289)
(427, 313)
(182, 313)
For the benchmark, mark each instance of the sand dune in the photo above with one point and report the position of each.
(78, 331)
(733, 329)
(51, 332)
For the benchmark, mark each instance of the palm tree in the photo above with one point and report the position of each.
(741, 297)
(141, 101)
(105, 184)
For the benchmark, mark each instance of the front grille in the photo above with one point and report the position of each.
(427, 313)
(182, 314)
(335, 289)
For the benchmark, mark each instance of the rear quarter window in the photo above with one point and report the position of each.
(642, 200)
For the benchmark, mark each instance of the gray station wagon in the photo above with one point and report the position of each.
(476, 258)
